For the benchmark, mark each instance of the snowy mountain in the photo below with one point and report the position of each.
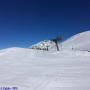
(80, 41)
(30, 69)
(43, 45)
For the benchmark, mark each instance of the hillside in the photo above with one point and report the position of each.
(29, 69)
(78, 42)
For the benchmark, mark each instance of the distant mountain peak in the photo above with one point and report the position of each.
(43, 45)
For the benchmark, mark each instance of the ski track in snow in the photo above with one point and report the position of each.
(41, 70)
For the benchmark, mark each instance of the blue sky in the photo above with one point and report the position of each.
(25, 22)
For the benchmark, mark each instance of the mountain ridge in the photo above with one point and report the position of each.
(79, 41)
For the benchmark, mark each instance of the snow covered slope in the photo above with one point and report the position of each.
(80, 41)
(29, 69)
